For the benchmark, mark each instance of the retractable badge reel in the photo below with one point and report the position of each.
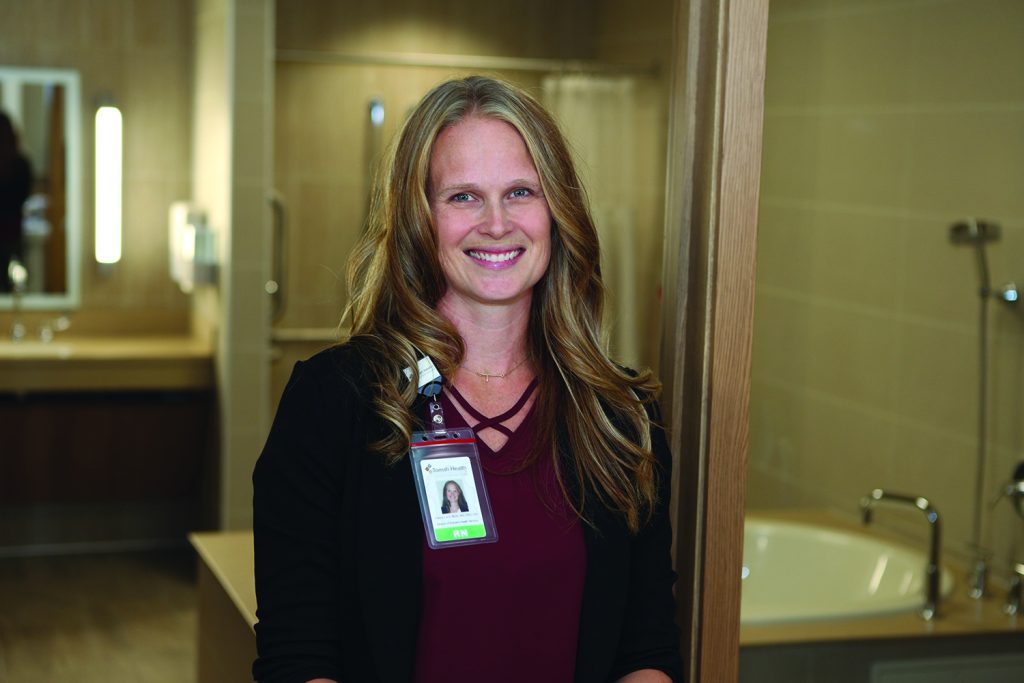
(449, 479)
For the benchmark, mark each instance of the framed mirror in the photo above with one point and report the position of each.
(41, 185)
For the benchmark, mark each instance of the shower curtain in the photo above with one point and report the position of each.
(597, 115)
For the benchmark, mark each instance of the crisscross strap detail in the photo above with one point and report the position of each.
(484, 422)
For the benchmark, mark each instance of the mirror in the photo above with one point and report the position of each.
(40, 184)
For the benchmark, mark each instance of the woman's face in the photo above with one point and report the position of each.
(493, 223)
(452, 493)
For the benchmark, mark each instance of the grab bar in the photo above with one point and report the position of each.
(373, 150)
(278, 265)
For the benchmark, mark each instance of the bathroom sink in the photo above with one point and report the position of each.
(797, 572)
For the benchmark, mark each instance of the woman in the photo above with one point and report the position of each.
(481, 254)
(453, 501)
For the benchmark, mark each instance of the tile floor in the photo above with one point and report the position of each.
(99, 618)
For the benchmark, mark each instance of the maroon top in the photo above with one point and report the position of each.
(506, 611)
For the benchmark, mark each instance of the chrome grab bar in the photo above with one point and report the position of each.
(278, 264)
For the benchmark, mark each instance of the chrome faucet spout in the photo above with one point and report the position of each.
(18, 276)
(932, 571)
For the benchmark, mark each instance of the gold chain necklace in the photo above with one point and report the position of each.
(488, 375)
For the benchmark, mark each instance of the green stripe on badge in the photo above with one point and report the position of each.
(460, 533)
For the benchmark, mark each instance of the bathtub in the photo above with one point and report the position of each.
(794, 571)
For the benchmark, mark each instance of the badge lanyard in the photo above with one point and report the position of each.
(449, 478)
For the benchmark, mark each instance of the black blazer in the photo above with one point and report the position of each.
(339, 596)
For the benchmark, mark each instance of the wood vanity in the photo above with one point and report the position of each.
(107, 441)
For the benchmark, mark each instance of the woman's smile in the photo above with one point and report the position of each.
(495, 258)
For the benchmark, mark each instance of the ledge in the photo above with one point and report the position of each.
(229, 557)
(106, 363)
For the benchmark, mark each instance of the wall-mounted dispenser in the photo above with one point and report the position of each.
(191, 246)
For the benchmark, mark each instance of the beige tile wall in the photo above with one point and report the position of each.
(884, 124)
(140, 52)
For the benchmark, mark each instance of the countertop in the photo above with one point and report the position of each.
(228, 555)
(102, 363)
(959, 615)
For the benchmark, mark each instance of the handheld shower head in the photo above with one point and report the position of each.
(977, 233)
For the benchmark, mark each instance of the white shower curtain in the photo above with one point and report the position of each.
(597, 116)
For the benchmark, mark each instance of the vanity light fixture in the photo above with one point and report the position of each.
(108, 184)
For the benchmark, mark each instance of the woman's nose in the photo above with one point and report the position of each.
(496, 222)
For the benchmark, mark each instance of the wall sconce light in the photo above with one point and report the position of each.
(108, 184)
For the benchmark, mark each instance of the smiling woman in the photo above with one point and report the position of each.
(481, 255)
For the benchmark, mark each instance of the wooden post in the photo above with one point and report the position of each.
(711, 226)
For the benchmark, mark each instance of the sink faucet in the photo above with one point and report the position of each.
(932, 574)
(18, 276)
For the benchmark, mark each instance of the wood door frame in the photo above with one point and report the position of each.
(713, 175)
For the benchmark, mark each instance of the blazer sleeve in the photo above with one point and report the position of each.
(650, 636)
(297, 505)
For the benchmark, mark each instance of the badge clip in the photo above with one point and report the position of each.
(430, 386)
(429, 376)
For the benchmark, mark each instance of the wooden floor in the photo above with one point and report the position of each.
(112, 617)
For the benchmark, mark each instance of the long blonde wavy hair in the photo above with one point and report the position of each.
(395, 281)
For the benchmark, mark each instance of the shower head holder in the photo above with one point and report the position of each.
(974, 231)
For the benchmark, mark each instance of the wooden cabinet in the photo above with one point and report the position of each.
(105, 443)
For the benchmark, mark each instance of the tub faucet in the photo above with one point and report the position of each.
(932, 573)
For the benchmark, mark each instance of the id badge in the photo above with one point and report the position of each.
(451, 489)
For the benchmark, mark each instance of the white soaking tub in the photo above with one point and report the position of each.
(796, 572)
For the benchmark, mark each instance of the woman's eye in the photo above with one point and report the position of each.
(520, 193)
(462, 197)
